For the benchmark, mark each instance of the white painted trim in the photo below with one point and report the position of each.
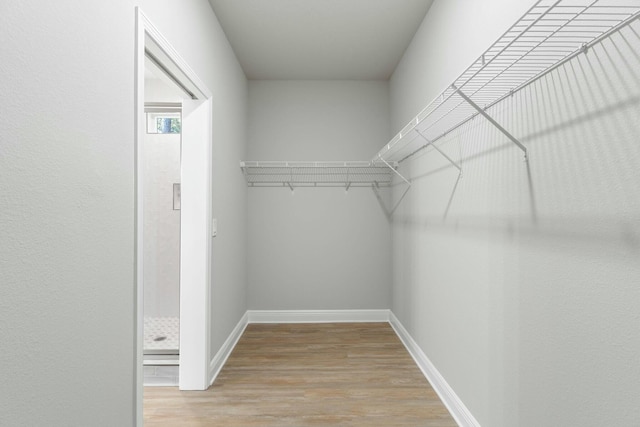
(222, 355)
(161, 362)
(317, 316)
(195, 244)
(162, 50)
(139, 129)
(456, 407)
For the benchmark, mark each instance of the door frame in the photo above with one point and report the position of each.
(194, 294)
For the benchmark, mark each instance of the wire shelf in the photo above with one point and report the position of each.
(317, 174)
(549, 34)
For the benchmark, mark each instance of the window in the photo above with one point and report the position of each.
(164, 123)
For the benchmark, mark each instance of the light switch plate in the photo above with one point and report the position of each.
(214, 227)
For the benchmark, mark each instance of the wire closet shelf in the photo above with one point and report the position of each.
(317, 174)
(551, 33)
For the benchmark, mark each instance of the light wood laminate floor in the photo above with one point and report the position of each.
(339, 374)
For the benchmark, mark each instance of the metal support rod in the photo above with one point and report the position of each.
(389, 212)
(290, 186)
(348, 185)
(490, 119)
(438, 150)
(394, 170)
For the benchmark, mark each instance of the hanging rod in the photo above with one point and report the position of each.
(292, 174)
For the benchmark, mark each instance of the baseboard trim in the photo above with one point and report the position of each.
(222, 355)
(317, 316)
(458, 410)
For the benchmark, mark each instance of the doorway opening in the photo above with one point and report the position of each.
(184, 104)
(161, 227)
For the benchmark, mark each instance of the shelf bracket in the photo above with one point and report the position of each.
(388, 212)
(430, 143)
(490, 119)
(395, 171)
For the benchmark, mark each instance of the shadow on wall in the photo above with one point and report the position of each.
(533, 266)
(577, 123)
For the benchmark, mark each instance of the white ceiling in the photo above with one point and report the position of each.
(320, 39)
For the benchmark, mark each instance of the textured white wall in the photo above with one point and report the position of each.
(318, 248)
(524, 294)
(66, 173)
(67, 179)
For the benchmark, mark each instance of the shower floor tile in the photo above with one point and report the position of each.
(161, 334)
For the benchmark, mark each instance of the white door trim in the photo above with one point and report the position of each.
(149, 39)
(195, 245)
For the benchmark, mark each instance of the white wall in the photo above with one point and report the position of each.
(159, 90)
(67, 178)
(66, 173)
(317, 248)
(524, 296)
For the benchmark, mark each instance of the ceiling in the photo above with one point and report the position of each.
(320, 39)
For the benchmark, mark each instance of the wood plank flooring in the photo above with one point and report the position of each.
(339, 374)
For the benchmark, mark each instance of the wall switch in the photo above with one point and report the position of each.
(214, 227)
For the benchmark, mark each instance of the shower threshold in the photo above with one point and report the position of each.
(161, 335)
(161, 351)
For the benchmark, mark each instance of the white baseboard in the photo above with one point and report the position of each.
(458, 410)
(317, 316)
(222, 355)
